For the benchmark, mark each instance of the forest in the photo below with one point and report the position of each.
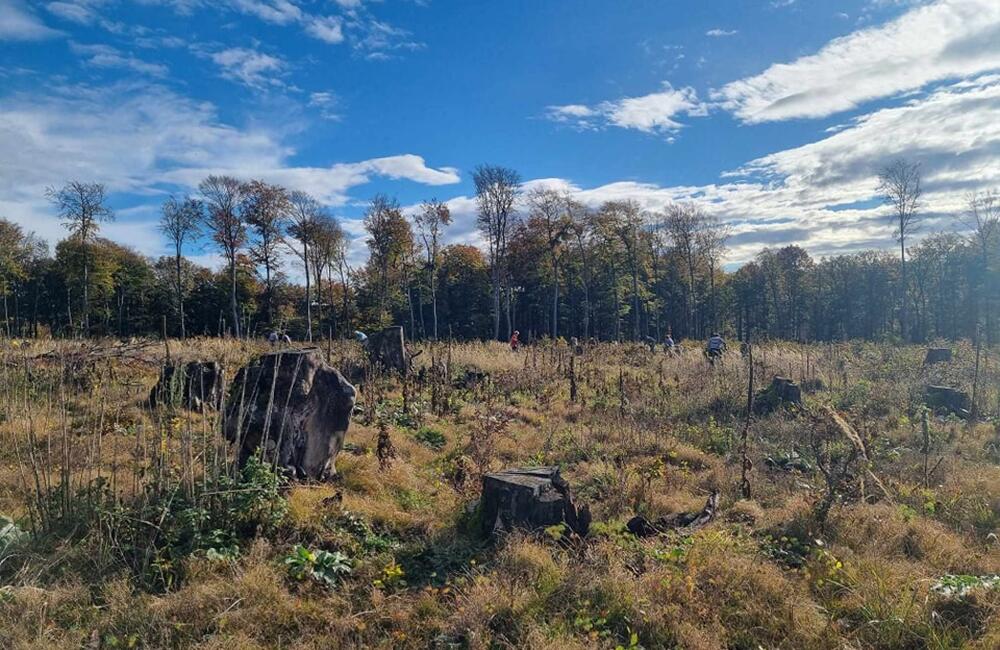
(549, 266)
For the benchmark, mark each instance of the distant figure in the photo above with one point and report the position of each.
(651, 343)
(577, 348)
(716, 346)
(286, 339)
(272, 338)
(360, 337)
(668, 344)
(515, 342)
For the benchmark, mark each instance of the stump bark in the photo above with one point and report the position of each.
(530, 498)
(781, 392)
(193, 385)
(387, 348)
(937, 355)
(947, 400)
(294, 404)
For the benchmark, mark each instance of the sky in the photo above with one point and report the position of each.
(774, 115)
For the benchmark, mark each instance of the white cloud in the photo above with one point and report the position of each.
(944, 40)
(718, 33)
(326, 104)
(249, 67)
(328, 29)
(105, 56)
(73, 11)
(653, 113)
(19, 23)
(278, 12)
(143, 139)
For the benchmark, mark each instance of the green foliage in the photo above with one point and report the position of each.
(959, 586)
(322, 566)
(431, 437)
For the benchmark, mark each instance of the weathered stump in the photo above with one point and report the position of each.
(944, 399)
(387, 349)
(685, 521)
(530, 498)
(781, 392)
(297, 406)
(937, 355)
(193, 385)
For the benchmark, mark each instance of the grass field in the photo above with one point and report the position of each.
(133, 531)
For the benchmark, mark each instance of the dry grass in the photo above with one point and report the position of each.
(647, 433)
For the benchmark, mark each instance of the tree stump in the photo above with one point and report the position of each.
(937, 355)
(781, 392)
(387, 349)
(192, 385)
(297, 406)
(944, 399)
(530, 498)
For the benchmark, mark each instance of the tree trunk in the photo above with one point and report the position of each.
(309, 316)
(232, 296)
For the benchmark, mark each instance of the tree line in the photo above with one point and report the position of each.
(550, 266)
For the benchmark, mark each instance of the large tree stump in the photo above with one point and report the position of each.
(686, 521)
(192, 385)
(530, 498)
(781, 392)
(944, 399)
(937, 355)
(296, 405)
(387, 349)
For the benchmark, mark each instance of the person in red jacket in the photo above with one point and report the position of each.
(515, 342)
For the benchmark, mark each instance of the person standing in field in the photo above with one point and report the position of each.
(716, 346)
(515, 342)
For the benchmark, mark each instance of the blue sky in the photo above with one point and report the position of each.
(775, 115)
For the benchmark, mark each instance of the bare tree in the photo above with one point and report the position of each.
(685, 223)
(181, 222)
(581, 228)
(82, 208)
(328, 245)
(983, 219)
(304, 213)
(497, 190)
(223, 196)
(265, 209)
(550, 208)
(712, 240)
(431, 221)
(899, 187)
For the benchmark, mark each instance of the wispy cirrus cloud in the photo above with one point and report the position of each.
(720, 33)
(943, 40)
(105, 56)
(249, 67)
(655, 113)
(19, 23)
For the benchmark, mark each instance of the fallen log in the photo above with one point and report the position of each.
(686, 522)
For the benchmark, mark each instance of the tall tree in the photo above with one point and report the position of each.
(899, 187)
(431, 221)
(551, 210)
(497, 190)
(982, 218)
(223, 196)
(327, 247)
(303, 214)
(390, 242)
(265, 209)
(685, 223)
(82, 208)
(712, 242)
(181, 222)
